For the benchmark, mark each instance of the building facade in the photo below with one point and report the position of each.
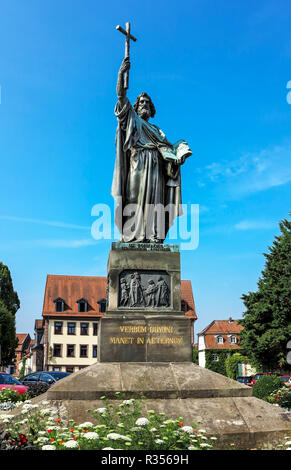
(218, 340)
(72, 309)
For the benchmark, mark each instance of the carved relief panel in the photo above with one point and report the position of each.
(144, 289)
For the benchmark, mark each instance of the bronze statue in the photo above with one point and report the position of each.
(147, 178)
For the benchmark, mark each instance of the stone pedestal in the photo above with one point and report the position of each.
(143, 320)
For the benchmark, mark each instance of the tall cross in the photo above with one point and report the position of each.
(128, 37)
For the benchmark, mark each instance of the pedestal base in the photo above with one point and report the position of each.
(144, 338)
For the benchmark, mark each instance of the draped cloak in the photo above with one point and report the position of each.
(143, 178)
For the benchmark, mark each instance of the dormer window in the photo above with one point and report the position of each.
(184, 306)
(82, 305)
(232, 339)
(102, 305)
(219, 339)
(59, 304)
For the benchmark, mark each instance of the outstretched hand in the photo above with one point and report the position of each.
(125, 65)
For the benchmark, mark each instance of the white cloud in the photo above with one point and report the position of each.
(48, 243)
(252, 172)
(255, 225)
(44, 222)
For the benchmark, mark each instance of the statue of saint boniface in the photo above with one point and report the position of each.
(147, 180)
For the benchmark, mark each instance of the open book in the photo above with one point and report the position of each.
(176, 153)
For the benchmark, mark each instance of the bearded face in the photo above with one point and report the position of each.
(144, 109)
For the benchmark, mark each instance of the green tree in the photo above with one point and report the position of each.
(231, 364)
(9, 304)
(266, 322)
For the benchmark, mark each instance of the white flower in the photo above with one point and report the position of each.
(288, 443)
(213, 438)
(101, 410)
(201, 430)
(42, 433)
(87, 424)
(127, 402)
(159, 441)
(187, 429)
(142, 422)
(7, 418)
(48, 447)
(108, 448)
(203, 444)
(45, 402)
(91, 435)
(29, 406)
(45, 412)
(153, 429)
(43, 439)
(71, 444)
(114, 436)
(192, 448)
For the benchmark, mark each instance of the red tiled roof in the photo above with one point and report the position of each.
(211, 344)
(222, 328)
(38, 324)
(21, 337)
(187, 296)
(93, 289)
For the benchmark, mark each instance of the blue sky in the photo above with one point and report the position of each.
(217, 73)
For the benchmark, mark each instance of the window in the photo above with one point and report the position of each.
(70, 370)
(95, 329)
(94, 350)
(46, 378)
(57, 369)
(71, 328)
(58, 327)
(215, 357)
(57, 350)
(184, 306)
(219, 339)
(70, 350)
(83, 350)
(59, 305)
(33, 378)
(102, 305)
(82, 305)
(84, 328)
(232, 339)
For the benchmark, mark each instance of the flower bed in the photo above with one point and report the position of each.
(120, 426)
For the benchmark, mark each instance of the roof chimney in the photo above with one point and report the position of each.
(230, 320)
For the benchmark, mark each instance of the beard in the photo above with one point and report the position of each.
(144, 113)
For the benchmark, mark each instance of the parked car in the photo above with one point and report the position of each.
(286, 379)
(258, 376)
(8, 381)
(43, 377)
(244, 380)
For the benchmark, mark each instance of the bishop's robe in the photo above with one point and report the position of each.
(143, 180)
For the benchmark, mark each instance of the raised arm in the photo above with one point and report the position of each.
(120, 90)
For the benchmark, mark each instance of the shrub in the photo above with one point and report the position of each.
(266, 385)
(231, 364)
(37, 389)
(281, 397)
(10, 395)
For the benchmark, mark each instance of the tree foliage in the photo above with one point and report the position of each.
(9, 304)
(266, 322)
(266, 385)
(231, 364)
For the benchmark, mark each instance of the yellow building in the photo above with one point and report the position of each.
(72, 308)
